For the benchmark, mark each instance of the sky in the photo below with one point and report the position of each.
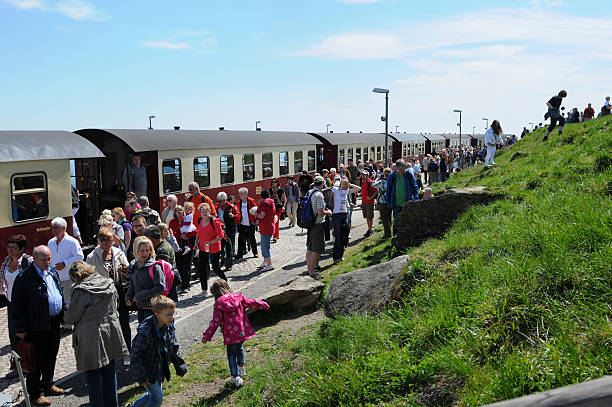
(298, 65)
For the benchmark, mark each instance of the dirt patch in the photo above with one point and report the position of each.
(262, 347)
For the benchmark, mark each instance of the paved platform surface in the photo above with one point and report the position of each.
(193, 312)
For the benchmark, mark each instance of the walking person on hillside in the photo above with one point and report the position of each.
(401, 188)
(491, 138)
(554, 113)
(97, 338)
(588, 114)
(230, 312)
(153, 349)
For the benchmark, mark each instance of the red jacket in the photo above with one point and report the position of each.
(197, 200)
(250, 203)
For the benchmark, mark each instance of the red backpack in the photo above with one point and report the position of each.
(168, 274)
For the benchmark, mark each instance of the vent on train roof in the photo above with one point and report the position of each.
(221, 128)
(177, 127)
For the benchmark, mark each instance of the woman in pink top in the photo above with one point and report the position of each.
(210, 233)
(230, 311)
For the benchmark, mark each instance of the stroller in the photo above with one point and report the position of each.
(7, 399)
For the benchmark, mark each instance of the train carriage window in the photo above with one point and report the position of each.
(267, 165)
(248, 167)
(283, 162)
(298, 165)
(378, 154)
(340, 156)
(227, 169)
(29, 196)
(349, 154)
(201, 173)
(311, 160)
(358, 154)
(171, 175)
(365, 154)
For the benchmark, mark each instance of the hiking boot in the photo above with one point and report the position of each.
(54, 391)
(368, 233)
(41, 401)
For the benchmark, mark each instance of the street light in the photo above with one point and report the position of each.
(386, 120)
(396, 126)
(473, 129)
(487, 126)
(327, 128)
(257, 128)
(151, 117)
(459, 124)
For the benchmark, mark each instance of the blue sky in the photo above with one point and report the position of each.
(295, 65)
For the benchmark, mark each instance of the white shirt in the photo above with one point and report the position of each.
(10, 277)
(244, 210)
(67, 251)
(340, 199)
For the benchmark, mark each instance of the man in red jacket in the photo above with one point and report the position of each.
(246, 227)
(368, 195)
(197, 197)
(588, 114)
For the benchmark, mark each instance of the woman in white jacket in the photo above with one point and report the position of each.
(491, 138)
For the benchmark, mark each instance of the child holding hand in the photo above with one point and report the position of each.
(230, 311)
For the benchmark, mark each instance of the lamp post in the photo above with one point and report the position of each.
(396, 126)
(257, 128)
(459, 124)
(327, 128)
(151, 117)
(473, 130)
(531, 126)
(487, 126)
(386, 120)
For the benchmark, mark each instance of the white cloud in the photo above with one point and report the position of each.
(357, 46)
(166, 45)
(547, 3)
(359, 1)
(26, 4)
(78, 10)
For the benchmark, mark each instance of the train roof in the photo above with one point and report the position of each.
(408, 137)
(434, 137)
(353, 138)
(146, 140)
(34, 145)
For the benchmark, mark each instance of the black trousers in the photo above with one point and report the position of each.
(183, 264)
(227, 247)
(205, 260)
(46, 345)
(246, 233)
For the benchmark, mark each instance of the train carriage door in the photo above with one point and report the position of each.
(396, 150)
(85, 175)
(330, 157)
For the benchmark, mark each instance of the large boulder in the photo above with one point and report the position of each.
(431, 218)
(299, 293)
(367, 290)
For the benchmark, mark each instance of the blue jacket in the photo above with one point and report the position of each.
(411, 187)
(146, 354)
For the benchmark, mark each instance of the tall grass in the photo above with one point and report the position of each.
(516, 298)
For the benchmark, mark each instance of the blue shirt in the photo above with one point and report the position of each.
(53, 292)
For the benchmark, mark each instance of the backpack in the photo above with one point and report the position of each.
(149, 216)
(433, 166)
(168, 274)
(307, 219)
(328, 195)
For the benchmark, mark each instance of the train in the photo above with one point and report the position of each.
(39, 167)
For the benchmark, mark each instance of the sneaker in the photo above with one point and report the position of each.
(368, 233)
(237, 381)
(262, 265)
(186, 250)
(266, 268)
(241, 371)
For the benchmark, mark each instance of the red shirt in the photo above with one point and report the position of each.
(210, 232)
(367, 189)
(197, 200)
(266, 225)
(589, 113)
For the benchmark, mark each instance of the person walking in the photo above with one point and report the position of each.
(210, 234)
(401, 188)
(292, 192)
(97, 337)
(246, 228)
(588, 114)
(37, 309)
(491, 138)
(277, 194)
(228, 216)
(341, 192)
(368, 197)
(554, 113)
(265, 215)
(230, 312)
(65, 250)
(111, 262)
(185, 240)
(381, 202)
(142, 286)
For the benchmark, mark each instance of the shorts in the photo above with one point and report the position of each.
(368, 210)
(315, 240)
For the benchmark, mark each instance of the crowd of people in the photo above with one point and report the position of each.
(144, 260)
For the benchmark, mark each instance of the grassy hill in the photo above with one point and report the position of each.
(515, 299)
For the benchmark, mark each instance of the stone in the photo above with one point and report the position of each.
(299, 293)
(431, 218)
(365, 291)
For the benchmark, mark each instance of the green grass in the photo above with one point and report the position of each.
(516, 298)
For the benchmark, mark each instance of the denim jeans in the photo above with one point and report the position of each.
(153, 397)
(102, 386)
(265, 246)
(396, 212)
(235, 357)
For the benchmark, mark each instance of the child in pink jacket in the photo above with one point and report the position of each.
(230, 312)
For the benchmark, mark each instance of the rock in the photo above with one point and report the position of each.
(367, 290)
(298, 293)
(431, 218)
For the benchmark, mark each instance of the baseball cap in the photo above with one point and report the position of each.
(152, 232)
(318, 179)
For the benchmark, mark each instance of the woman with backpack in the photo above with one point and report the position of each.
(210, 234)
(144, 283)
